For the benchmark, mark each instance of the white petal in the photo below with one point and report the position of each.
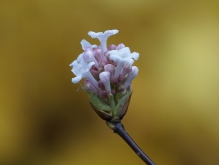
(135, 55)
(76, 79)
(80, 57)
(90, 65)
(94, 35)
(72, 64)
(80, 68)
(130, 61)
(111, 32)
(124, 52)
(85, 44)
(115, 58)
(102, 37)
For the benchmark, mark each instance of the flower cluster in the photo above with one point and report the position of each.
(108, 73)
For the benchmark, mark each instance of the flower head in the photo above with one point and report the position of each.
(108, 73)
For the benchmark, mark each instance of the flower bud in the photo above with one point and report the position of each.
(89, 57)
(103, 94)
(131, 76)
(126, 69)
(120, 46)
(108, 73)
(99, 54)
(112, 47)
(101, 85)
(105, 78)
(111, 69)
(90, 87)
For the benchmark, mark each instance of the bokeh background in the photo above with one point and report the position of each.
(174, 111)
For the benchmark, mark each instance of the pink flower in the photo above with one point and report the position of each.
(108, 74)
(105, 69)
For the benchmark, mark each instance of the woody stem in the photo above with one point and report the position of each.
(120, 130)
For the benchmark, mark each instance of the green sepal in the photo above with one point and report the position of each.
(104, 115)
(122, 103)
(99, 103)
(111, 100)
(96, 101)
(83, 89)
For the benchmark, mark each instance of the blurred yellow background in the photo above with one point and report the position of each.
(174, 111)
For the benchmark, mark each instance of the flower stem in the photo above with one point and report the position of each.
(120, 130)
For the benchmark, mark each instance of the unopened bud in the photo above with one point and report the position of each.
(120, 46)
(90, 87)
(112, 47)
(131, 76)
(105, 78)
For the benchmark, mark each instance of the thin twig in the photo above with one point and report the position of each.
(120, 130)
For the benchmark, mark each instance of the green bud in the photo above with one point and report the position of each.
(112, 111)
